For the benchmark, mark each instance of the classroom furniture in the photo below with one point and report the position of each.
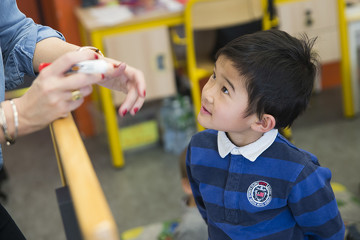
(348, 103)
(94, 32)
(318, 19)
(83, 206)
(350, 42)
(150, 51)
(331, 44)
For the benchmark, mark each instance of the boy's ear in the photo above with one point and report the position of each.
(265, 124)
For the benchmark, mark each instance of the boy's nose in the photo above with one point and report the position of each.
(208, 93)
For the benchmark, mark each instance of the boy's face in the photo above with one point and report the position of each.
(224, 102)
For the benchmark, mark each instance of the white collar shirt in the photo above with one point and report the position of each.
(251, 151)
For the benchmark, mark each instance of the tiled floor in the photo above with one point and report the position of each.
(147, 189)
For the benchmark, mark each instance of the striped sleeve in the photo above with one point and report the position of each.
(313, 204)
(195, 186)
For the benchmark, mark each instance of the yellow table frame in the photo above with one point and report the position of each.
(348, 98)
(93, 34)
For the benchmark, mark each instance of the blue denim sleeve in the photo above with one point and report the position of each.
(18, 38)
(19, 61)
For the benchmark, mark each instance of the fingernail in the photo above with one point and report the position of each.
(96, 56)
(102, 76)
(144, 93)
(116, 65)
(124, 112)
(136, 110)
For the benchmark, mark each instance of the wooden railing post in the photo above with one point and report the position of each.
(92, 211)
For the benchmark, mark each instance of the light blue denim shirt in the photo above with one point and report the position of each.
(18, 37)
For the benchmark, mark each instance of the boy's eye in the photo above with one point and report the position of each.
(224, 90)
(214, 75)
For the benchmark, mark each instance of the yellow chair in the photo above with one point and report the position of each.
(203, 15)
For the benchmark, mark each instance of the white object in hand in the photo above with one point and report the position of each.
(89, 66)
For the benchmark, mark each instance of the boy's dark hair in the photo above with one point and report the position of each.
(279, 71)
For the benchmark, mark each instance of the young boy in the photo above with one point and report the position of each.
(248, 181)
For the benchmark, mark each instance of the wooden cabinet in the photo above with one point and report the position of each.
(316, 18)
(150, 51)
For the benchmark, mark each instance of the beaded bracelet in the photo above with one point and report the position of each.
(8, 138)
(16, 119)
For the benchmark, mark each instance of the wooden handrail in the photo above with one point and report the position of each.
(92, 211)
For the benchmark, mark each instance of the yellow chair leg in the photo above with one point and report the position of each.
(287, 133)
(112, 127)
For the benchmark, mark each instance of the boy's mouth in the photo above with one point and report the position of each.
(204, 110)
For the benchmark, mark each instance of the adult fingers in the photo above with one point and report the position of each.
(115, 70)
(65, 62)
(137, 106)
(78, 80)
(137, 76)
(78, 94)
(132, 103)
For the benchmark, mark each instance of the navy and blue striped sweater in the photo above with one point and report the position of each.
(284, 194)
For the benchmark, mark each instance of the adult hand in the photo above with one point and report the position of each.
(128, 80)
(50, 96)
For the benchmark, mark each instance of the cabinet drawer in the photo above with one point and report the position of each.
(301, 16)
(327, 44)
(316, 18)
(150, 51)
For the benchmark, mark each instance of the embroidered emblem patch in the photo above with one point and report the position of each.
(259, 193)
